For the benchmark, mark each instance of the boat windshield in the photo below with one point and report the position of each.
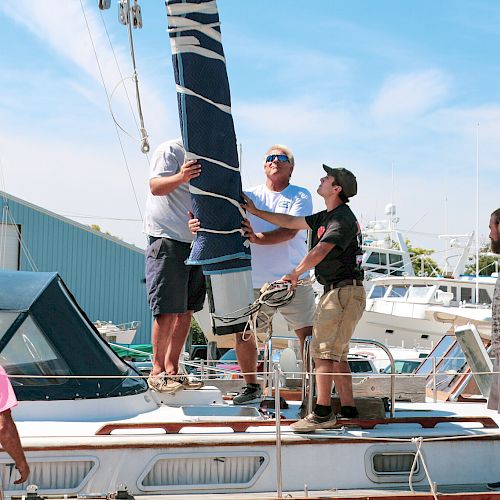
(6, 320)
(30, 353)
(377, 292)
(398, 291)
(421, 292)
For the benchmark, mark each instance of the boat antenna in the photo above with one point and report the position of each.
(477, 213)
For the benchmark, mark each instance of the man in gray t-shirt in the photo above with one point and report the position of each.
(494, 399)
(175, 290)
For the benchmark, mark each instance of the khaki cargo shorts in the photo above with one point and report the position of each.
(337, 315)
(298, 313)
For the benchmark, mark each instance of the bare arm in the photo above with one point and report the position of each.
(160, 186)
(9, 439)
(273, 237)
(313, 258)
(281, 220)
(267, 238)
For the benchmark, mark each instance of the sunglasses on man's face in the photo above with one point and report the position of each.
(271, 158)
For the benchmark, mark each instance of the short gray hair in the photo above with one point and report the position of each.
(285, 150)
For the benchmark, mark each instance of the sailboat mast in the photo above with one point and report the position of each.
(477, 214)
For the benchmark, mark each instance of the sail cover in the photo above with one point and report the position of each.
(208, 134)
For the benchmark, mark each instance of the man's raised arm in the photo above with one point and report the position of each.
(281, 220)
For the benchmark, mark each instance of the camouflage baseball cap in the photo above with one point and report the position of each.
(344, 178)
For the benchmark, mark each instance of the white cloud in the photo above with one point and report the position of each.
(404, 97)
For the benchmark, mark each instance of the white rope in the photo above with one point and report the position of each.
(216, 231)
(184, 90)
(418, 441)
(179, 48)
(193, 156)
(180, 24)
(179, 9)
(198, 191)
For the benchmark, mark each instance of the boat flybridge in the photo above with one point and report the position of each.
(402, 311)
(90, 426)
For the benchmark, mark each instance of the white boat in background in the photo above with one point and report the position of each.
(385, 252)
(401, 311)
(121, 334)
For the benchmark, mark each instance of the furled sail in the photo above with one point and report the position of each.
(208, 134)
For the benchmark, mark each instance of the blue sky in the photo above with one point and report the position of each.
(361, 84)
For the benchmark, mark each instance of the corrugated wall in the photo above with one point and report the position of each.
(105, 275)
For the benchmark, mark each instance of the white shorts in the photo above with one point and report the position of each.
(298, 313)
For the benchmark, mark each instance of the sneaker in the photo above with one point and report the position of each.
(190, 382)
(348, 412)
(493, 486)
(162, 383)
(314, 422)
(251, 393)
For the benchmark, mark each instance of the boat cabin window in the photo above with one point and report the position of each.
(396, 260)
(29, 352)
(377, 292)
(484, 297)
(419, 291)
(438, 352)
(449, 368)
(377, 258)
(466, 294)
(398, 291)
(6, 319)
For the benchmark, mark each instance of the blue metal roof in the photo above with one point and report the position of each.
(105, 274)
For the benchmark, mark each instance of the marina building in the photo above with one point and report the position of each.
(105, 274)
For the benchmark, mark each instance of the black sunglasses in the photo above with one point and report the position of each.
(271, 158)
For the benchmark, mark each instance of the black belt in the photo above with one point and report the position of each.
(342, 284)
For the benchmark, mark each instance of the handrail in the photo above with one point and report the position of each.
(307, 351)
(243, 425)
(393, 367)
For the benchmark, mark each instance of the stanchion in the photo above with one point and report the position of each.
(277, 408)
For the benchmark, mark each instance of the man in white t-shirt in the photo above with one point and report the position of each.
(274, 250)
(175, 290)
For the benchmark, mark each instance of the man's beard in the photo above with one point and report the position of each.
(495, 246)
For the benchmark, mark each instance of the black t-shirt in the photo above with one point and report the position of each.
(341, 228)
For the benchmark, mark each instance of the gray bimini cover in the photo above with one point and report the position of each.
(48, 344)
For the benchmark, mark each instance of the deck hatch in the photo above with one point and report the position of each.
(203, 471)
(52, 475)
(387, 464)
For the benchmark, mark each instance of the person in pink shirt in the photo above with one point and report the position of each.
(9, 437)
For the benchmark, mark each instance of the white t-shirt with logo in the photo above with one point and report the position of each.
(271, 262)
(167, 216)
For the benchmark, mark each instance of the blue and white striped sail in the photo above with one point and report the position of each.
(207, 129)
(208, 134)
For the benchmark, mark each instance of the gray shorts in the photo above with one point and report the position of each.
(172, 286)
(298, 314)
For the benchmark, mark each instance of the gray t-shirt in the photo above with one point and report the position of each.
(167, 216)
(495, 314)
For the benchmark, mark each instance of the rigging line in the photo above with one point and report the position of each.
(109, 104)
(6, 214)
(100, 217)
(23, 245)
(124, 88)
(144, 134)
(119, 70)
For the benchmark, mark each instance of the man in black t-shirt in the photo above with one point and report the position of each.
(336, 257)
